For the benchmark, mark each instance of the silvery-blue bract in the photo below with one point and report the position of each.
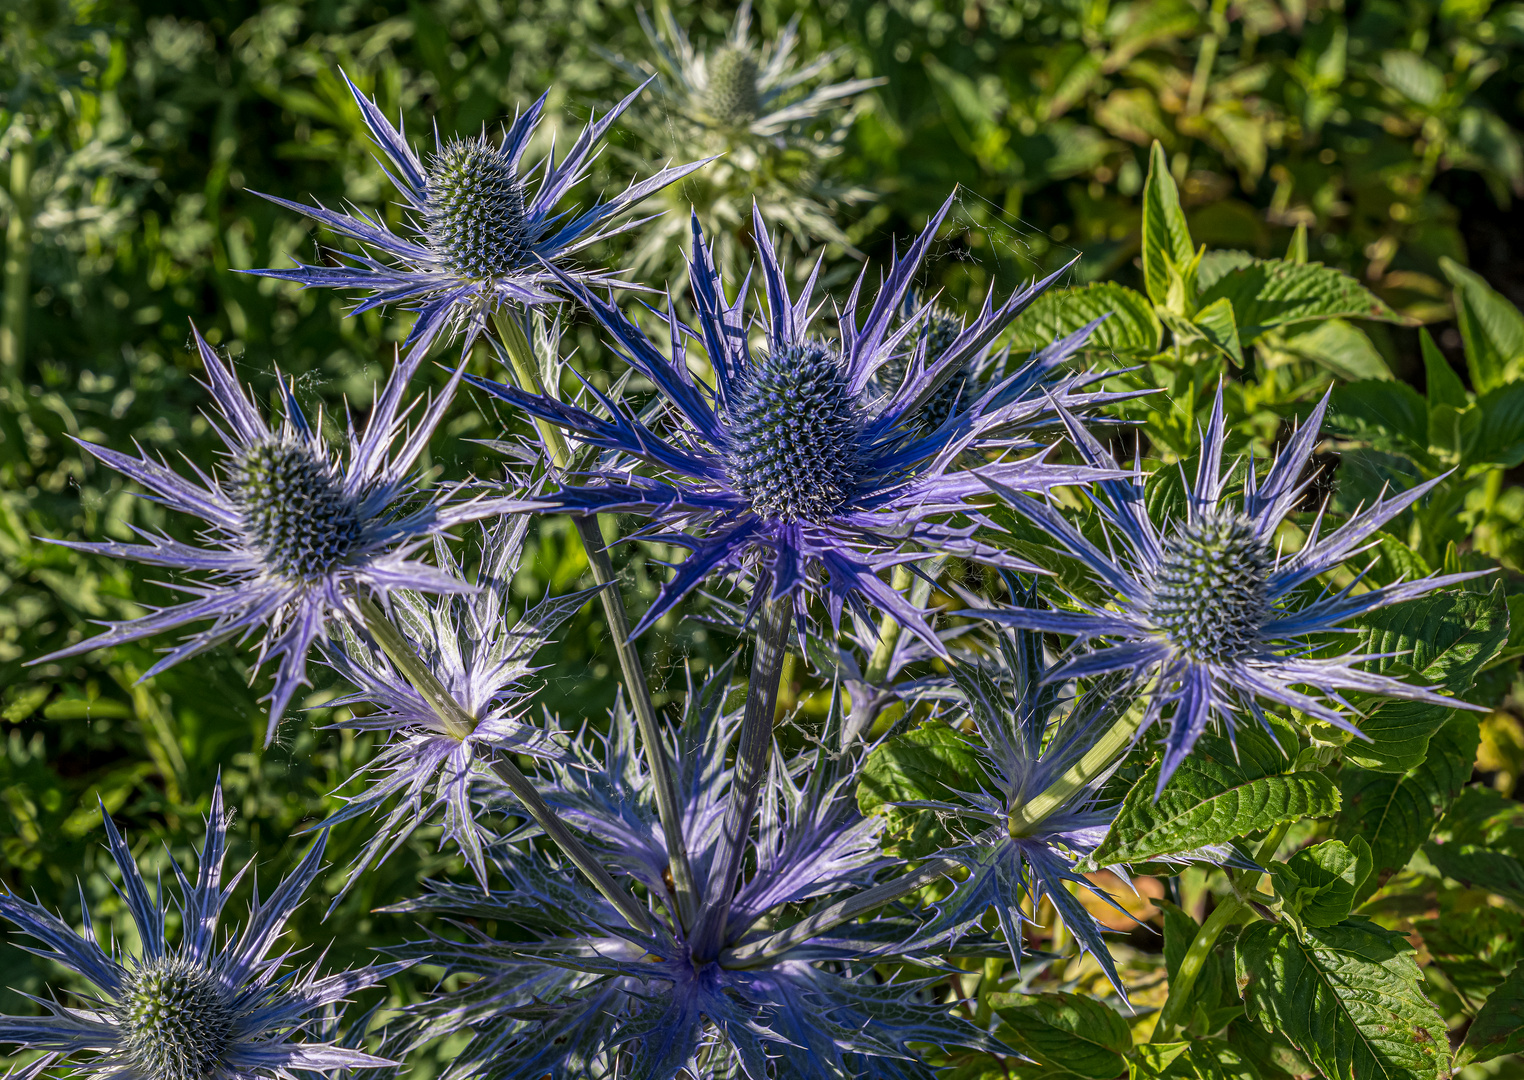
(481, 233)
(586, 995)
(789, 469)
(1207, 605)
(293, 533)
(198, 1010)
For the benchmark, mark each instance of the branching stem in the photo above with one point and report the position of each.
(1095, 762)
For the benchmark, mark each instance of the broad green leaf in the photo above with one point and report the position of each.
(1214, 264)
(1317, 884)
(1475, 946)
(1480, 843)
(1066, 1031)
(1334, 345)
(929, 764)
(1499, 1027)
(1491, 328)
(1389, 416)
(1270, 293)
(1498, 435)
(1445, 386)
(1166, 238)
(1213, 799)
(1131, 329)
(1217, 325)
(1413, 77)
(1197, 1059)
(1348, 996)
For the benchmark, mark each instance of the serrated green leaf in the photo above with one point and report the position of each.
(1333, 344)
(1217, 325)
(1395, 814)
(1497, 437)
(1492, 329)
(1131, 328)
(1066, 1031)
(1271, 293)
(1197, 1059)
(1214, 264)
(1317, 885)
(1480, 843)
(1347, 996)
(1389, 416)
(1445, 386)
(929, 764)
(1499, 1027)
(1166, 238)
(1475, 946)
(1212, 799)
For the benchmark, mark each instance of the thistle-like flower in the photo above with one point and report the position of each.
(788, 469)
(192, 1011)
(293, 533)
(481, 657)
(1207, 605)
(585, 995)
(481, 233)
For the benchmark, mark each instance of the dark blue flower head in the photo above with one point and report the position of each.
(482, 232)
(197, 1010)
(587, 995)
(293, 532)
(1206, 605)
(789, 468)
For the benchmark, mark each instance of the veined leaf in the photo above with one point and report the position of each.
(1498, 436)
(1499, 1027)
(1445, 387)
(1131, 329)
(1491, 328)
(1347, 996)
(1270, 293)
(1480, 843)
(1217, 324)
(1476, 946)
(1334, 345)
(1317, 884)
(1198, 1059)
(1166, 238)
(1389, 416)
(929, 764)
(1066, 1031)
(1212, 799)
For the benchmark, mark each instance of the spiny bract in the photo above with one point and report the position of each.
(475, 210)
(295, 509)
(1211, 592)
(795, 434)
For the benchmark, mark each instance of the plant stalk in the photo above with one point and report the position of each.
(753, 755)
(459, 724)
(1097, 759)
(526, 374)
(889, 631)
(18, 259)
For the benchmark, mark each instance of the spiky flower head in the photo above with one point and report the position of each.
(581, 994)
(481, 230)
(787, 471)
(1205, 604)
(294, 533)
(196, 1010)
(481, 656)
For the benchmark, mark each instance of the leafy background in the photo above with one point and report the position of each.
(1382, 137)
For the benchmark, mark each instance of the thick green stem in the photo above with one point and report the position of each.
(888, 633)
(18, 259)
(1095, 762)
(1231, 910)
(526, 373)
(753, 753)
(459, 724)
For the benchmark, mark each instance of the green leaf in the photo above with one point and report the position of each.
(1198, 1059)
(1066, 1031)
(1213, 799)
(1166, 238)
(1445, 386)
(1480, 843)
(1499, 1027)
(1395, 814)
(929, 764)
(1214, 264)
(1492, 329)
(1389, 416)
(1347, 996)
(1215, 321)
(1131, 328)
(1498, 438)
(1333, 344)
(1317, 885)
(1270, 293)
(1475, 946)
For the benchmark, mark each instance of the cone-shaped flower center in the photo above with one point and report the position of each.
(732, 97)
(795, 435)
(1212, 592)
(475, 211)
(176, 1019)
(295, 510)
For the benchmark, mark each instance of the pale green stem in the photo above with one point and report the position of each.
(18, 259)
(1097, 760)
(753, 754)
(888, 633)
(459, 724)
(526, 373)
(1229, 911)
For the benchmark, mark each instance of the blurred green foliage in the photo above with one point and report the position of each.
(1383, 140)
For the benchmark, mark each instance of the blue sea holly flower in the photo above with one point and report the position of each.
(199, 1010)
(579, 993)
(482, 657)
(787, 469)
(293, 533)
(1205, 602)
(481, 230)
